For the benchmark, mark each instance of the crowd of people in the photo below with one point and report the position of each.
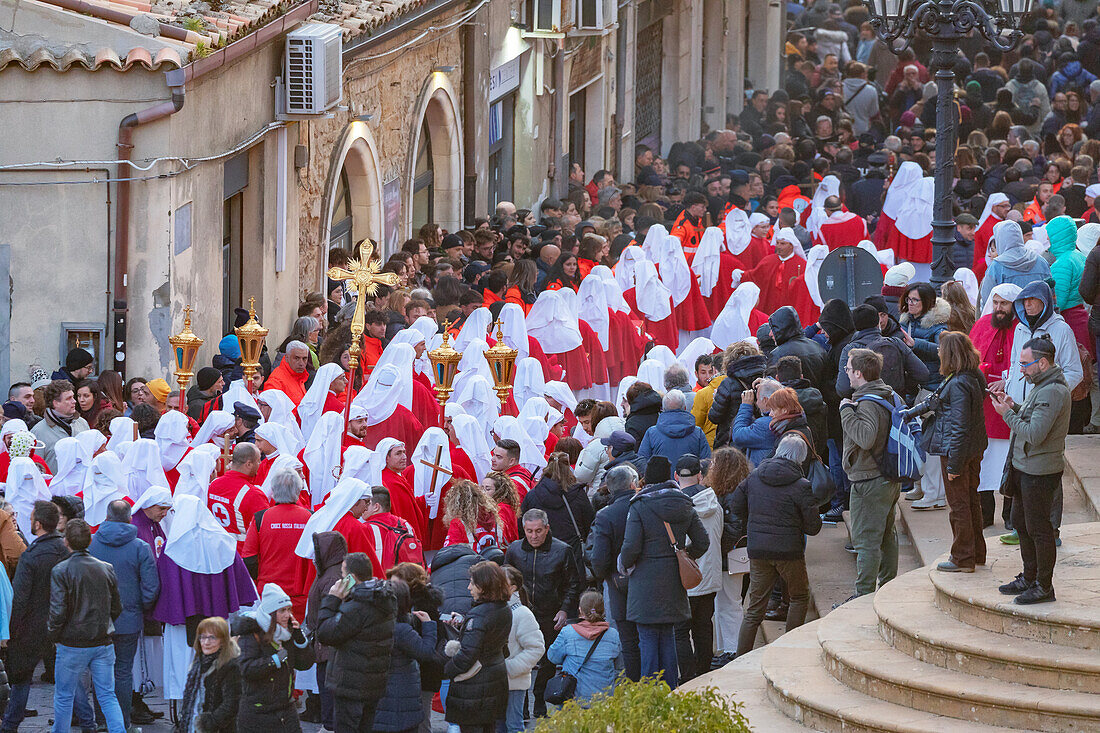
(335, 546)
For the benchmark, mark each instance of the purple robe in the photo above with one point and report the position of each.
(183, 593)
(149, 531)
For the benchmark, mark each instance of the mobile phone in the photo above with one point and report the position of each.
(349, 583)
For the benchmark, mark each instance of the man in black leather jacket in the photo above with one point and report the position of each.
(84, 603)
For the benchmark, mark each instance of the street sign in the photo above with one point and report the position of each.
(851, 274)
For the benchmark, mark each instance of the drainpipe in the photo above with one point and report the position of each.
(175, 80)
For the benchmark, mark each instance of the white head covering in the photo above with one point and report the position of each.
(280, 464)
(816, 256)
(969, 282)
(532, 456)
(172, 438)
(561, 393)
(473, 360)
(732, 324)
(104, 481)
(626, 269)
(313, 404)
(215, 425)
(620, 395)
(72, 461)
(537, 429)
(653, 296)
(550, 324)
(378, 460)
(91, 440)
(343, 497)
(155, 496)
(900, 275)
(514, 328)
(282, 412)
(665, 250)
(909, 201)
(476, 327)
(142, 467)
(196, 540)
(652, 372)
(593, 309)
(787, 235)
(829, 186)
(195, 471)
(906, 180)
(708, 260)
(662, 354)
(612, 290)
(426, 325)
(529, 380)
(357, 460)
(477, 398)
(427, 482)
(885, 257)
(238, 392)
(122, 432)
(738, 231)
(274, 433)
(413, 336)
(386, 389)
(472, 439)
(536, 407)
(654, 243)
(322, 455)
(994, 199)
(1087, 236)
(700, 346)
(25, 486)
(1007, 291)
(10, 428)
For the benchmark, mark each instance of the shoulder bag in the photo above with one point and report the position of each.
(563, 686)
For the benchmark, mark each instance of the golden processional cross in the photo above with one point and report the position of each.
(364, 272)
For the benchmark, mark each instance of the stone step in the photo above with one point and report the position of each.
(856, 655)
(909, 621)
(799, 685)
(1083, 472)
(1073, 620)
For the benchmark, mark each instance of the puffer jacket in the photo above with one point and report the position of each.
(643, 414)
(790, 340)
(925, 332)
(727, 398)
(360, 629)
(117, 544)
(813, 407)
(525, 645)
(267, 677)
(777, 509)
(753, 435)
(711, 515)
(866, 427)
(451, 574)
(400, 709)
(594, 454)
(1039, 426)
(1069, 264)
(956, 429)
(655, 594)
(549, 575)
(481, 699)
(674, 435)
(221, 687)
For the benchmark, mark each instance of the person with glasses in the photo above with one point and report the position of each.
(1034, 474)
(213, 689)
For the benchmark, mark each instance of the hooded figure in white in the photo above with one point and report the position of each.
(434, 447)
(172, 438)
(72, 462)
(25, 486)
(196, 470)
(142, 468)
(313, 404)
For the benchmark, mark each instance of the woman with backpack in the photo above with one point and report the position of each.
(589, 650)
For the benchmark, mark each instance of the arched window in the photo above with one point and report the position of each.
(340, 228)
(423, 209)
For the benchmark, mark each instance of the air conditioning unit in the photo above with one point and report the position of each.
(314, 69)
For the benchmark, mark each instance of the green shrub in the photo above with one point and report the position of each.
(649, 706)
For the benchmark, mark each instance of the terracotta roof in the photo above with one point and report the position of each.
(358, 18)
(91, 59)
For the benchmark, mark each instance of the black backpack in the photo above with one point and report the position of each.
(893, 362)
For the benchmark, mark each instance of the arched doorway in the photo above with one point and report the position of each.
(435, 160)
(353, 208)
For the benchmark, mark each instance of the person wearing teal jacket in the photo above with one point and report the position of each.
(1066, 271)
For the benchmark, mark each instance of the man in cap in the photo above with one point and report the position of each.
(158, 391)
(209, 383)
(453, 247)
(79, 365)
(841, 228)
(246, 419)
(962, 252)
(620, 447)
(232, 498)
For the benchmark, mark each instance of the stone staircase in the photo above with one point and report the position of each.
(935, 652)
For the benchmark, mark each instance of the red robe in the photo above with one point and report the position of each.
(995, 347)
(590, 342)
(887, 236)
(692, 314)
(359, 540)
(173, 474)
(723, 289)
(551, 368)
(981, 245)
(273, 538)
(577, 366)
(757, 250)
(403, 503)
(5, 463)
(783, 282)
(402, 424)
(436, 528)
(624, 349)
(425, 407)
(663, 332)
(842, 230)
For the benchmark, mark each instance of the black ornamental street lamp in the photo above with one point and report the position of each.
(945, 22)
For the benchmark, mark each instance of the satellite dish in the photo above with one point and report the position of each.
(851, 274)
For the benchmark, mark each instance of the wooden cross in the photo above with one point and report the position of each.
(437, 468)
(364, 272)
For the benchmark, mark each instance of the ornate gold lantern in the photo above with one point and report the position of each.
(445, 364)
(185, 346)
(502, 362)
(251, 338)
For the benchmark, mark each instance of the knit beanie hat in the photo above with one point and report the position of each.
(271, 600)
(658, 470)
(207, 378)
(865, 316)
(77, 359)
(159, 389)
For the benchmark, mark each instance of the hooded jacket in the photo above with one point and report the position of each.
(117, 543)
(777, 509)
(866, 427)
(861, 102)
(594, 455)
(916, 372)
(1039, 425)
(644, 410)
(655, 594)
(674, 435)
(1047, 323)
(1070, 76)
(525, 645)
(790, 340)
(700, 407)
(329, 551)
(742, 373)
(1013, 263)
(1069, 263)
(711, 515)
(451, 574)
(813, 407)
(267, 677)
